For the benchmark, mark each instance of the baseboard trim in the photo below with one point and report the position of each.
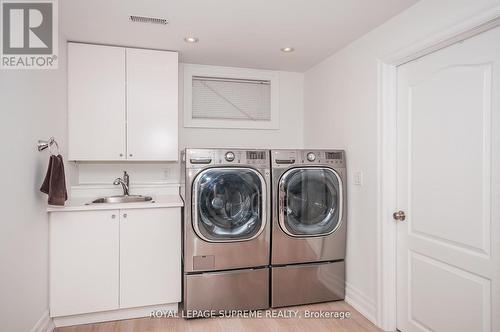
(112, 315)
(44, 324)
(361, 303)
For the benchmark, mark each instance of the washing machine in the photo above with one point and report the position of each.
(308, 227)
(226, 241)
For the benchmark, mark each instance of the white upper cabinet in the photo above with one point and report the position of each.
(122, 103)
(152, 80)
(96, 102)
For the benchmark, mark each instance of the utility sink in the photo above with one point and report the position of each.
(122, 199)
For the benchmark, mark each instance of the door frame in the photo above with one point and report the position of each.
(387, 147)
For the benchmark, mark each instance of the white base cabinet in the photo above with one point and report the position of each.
(84, 251)
(150, 257)
(114, 259)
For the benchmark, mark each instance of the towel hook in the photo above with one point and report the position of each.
(42, 145)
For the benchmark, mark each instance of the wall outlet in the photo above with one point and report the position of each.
(358, 178)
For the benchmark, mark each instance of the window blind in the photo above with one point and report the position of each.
(231, 99)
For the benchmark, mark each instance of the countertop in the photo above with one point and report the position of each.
(81, 204)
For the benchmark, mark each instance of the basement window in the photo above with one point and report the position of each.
(222, 97)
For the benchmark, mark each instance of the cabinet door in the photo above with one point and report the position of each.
(150, 257)
(96, 102)
(84, 272)
(152, 111)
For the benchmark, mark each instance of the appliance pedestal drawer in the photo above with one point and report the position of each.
(307, 283)
(246, 289)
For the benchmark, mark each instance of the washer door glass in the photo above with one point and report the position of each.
(229, 204)
(310, 201)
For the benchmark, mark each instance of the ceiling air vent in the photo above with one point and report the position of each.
(146, 19)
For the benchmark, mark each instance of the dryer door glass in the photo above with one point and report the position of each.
(310, 201)
(229, 204)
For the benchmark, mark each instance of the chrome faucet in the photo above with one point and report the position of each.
(125, 182)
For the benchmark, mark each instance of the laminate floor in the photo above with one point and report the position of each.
(356, 322)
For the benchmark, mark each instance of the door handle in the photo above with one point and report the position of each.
(399, 215)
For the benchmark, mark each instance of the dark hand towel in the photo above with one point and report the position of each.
(54, 184)
(46, 183)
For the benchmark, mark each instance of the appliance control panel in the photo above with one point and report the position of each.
(335, 158)
(199, 158)
(287, 158)
(257, 158)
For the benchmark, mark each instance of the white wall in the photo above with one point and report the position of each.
(289, 135)
(340, 107)
(32, 107)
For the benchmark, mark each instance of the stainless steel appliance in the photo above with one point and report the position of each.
(226, 229)
(309, 226)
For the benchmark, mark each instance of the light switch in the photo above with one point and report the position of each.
(358, 178)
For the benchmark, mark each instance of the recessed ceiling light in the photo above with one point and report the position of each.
(287, 49)
(191, 39)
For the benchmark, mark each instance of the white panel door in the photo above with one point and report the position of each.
(152, 111)
(96, 102)
(150, 257)
(448, 252)
(83, 262)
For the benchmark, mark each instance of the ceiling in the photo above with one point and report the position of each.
(240, 33)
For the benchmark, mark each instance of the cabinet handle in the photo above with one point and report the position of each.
(124, 215)
(113, 216)
(130, 155)
(121, 154)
